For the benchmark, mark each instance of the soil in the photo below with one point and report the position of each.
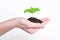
(35, 20)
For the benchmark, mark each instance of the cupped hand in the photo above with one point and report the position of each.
(31, 27)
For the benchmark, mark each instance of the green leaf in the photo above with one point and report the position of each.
(27, 10)
(32, 10)
(36, 9)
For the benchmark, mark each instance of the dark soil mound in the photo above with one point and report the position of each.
(35, 20)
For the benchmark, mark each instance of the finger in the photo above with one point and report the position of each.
(36, 26)
(31, 31)
(45, 21)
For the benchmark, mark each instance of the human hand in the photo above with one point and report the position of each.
(31, 27)
(22, 23)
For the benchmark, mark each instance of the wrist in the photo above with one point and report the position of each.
(18, 22)
(14, 22)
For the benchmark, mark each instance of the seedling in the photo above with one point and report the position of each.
(32, 11)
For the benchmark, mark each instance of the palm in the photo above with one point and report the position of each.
(31, 27)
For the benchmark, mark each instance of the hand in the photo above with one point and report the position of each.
(22, 23)
(31, 27)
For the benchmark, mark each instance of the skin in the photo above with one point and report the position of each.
(22, 23)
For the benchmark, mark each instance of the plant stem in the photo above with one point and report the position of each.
(32, 14)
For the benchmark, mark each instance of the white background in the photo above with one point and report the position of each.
(15, 8)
